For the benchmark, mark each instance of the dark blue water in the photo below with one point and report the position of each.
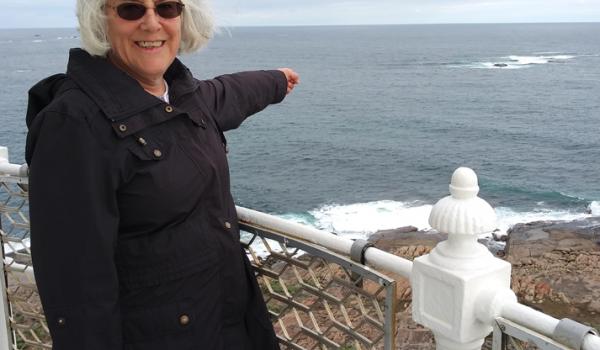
(384, 114)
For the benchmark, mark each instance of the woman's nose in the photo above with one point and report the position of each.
(151, 21)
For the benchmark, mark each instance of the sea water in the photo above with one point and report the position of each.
(384, 114)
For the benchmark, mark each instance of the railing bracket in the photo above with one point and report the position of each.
(572, 333)
(358, 249)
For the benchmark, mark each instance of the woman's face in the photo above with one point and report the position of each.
(146, 47)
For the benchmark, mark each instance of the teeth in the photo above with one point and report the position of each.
(150, 43)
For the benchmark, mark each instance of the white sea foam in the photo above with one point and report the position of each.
(363, 219)
(507, 217)
(525, 60)
(519, 62)
(66, 37)
(594, 208)
(37, 41)
(561, 57)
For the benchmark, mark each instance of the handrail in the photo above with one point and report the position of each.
(6, 168)
(541, 322)
(373, 256)
(13, 169)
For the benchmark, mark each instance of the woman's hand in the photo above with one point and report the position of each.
(292, 78)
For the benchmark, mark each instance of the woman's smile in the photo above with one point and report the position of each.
(150, 44)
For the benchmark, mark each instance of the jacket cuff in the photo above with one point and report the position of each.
(281, 87)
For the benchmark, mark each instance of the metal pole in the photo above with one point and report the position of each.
(541, 323)
(5, 330)
(10, 169)
(373, 256)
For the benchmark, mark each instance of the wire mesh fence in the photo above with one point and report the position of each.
(321, 300)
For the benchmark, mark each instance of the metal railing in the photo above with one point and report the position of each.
(318, 298)
(318, 292)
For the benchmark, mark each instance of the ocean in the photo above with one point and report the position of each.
(383, 116)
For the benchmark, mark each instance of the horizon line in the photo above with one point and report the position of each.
(352, 25)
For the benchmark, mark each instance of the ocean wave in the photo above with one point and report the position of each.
(594, 208)
(519, 62)
(360, 220)
(67, 37)
(508, 217)
(543, 59)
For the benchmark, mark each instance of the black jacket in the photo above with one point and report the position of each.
(134, 233)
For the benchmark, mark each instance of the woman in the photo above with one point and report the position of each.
(134, 238)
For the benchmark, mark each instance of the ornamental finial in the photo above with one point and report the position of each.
(463, 212)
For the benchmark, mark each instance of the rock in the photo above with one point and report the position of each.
(544, 236)
(392, 234)
(556, 266)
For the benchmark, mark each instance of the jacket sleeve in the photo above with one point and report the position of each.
(74, 225)
(234, 97)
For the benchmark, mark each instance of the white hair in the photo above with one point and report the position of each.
(196, 26)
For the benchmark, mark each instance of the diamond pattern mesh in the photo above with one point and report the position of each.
(26, 318)
(318, 299)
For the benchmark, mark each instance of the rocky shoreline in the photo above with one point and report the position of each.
(556, 269)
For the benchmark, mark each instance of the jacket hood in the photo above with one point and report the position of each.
(40, 96)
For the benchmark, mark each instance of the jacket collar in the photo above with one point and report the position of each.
(117, 94)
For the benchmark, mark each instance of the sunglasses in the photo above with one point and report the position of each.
(132, 11)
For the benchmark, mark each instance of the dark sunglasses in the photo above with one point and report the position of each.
(132, 11)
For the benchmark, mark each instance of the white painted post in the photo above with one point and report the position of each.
(457, 286)
(10, 169)
(5, 331)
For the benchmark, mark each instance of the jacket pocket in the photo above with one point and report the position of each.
(181, 322)
(147, 327)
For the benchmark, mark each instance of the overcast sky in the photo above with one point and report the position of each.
(60, 13)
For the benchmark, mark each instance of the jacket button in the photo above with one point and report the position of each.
(184, 320)
(61, 321)
(157, 153)
(122, 127)
(168, 109)
(142, 141)
(227, 225)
